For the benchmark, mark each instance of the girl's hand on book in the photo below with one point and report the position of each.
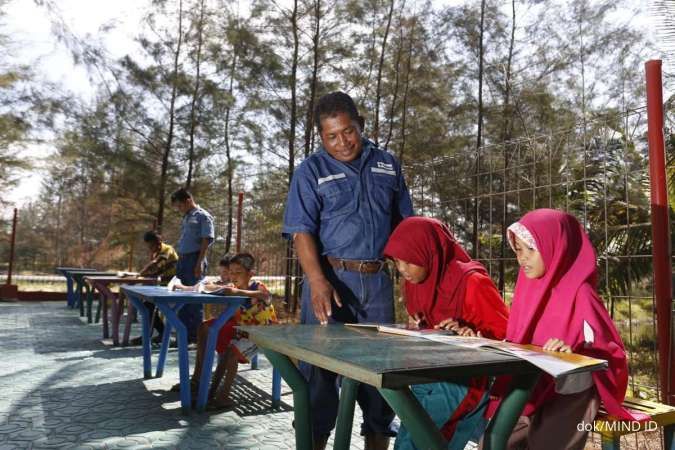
(464, 331)
(418, 320)
(557, 345)
(447, 324)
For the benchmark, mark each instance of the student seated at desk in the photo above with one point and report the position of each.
(232, 347)
(163, 259)
(556, 306)
(444, 288)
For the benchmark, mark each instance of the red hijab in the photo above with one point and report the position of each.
(557, 304)
(429, 243)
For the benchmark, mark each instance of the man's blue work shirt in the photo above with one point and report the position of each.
(350, 207)
(197, 224)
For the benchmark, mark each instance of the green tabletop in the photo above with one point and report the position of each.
(379, 359)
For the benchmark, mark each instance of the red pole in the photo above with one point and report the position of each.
(11, 250)
(240, 208)
(660, 229)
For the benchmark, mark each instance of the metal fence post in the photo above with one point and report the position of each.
(660, 226)
(11, 250)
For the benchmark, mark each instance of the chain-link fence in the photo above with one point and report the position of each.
(597, 171)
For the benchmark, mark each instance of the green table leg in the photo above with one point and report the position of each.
(422, 429)
(610, 442)
(501, 426)
(90, 301)
(345, 418)
(80, 294)
(301, 405)
(101, 299)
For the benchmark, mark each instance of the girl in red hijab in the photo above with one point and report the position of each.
(556, 306)
(445, 288)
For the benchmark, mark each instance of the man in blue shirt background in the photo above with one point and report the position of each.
(196, 235)
(343, 203)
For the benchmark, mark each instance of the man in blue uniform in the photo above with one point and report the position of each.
(343, 203)
(196, 235)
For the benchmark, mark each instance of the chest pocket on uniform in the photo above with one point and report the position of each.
(337, 197)
(384, 185)
(194, 226)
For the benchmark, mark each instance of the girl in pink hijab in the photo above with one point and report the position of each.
(556, 306)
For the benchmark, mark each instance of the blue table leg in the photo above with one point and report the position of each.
(145, 330)
(183, 357)
(276, 388)
(207, 363)
(166, 339)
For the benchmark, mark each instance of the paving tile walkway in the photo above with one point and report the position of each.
(61, 388)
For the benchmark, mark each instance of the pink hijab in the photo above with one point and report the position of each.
(557, 304)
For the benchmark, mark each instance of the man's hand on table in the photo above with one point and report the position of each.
(322, 293)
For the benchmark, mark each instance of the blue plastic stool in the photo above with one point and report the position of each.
(276, 382)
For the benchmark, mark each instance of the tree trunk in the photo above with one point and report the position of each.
(195, 95)
(312, 85)
(399, 52)
(291, 267)
(506, 138)
(172, 117)
(476, 203)
(228, 154)
(378, 93)
(293, 82)
(404, 112)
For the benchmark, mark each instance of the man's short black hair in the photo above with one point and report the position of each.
(334, 103)
(152, 236)
(245, 260)
(225, 261)
(181, 195)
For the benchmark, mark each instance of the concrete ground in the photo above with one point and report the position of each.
(60, 387)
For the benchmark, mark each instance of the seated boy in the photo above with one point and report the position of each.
(233, 349)
(163, 259)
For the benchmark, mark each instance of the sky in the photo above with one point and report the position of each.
(29, 27)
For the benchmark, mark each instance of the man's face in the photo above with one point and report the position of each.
(181, 207)
(341, 137)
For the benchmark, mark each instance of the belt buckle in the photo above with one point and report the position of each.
(362, 263)
(343, 266)
(381, 262)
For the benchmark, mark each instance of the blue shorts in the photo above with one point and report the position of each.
(441, 400)
(365, 298)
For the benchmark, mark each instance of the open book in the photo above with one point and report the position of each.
(556, 364)
(397, 328)
(127, 274)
